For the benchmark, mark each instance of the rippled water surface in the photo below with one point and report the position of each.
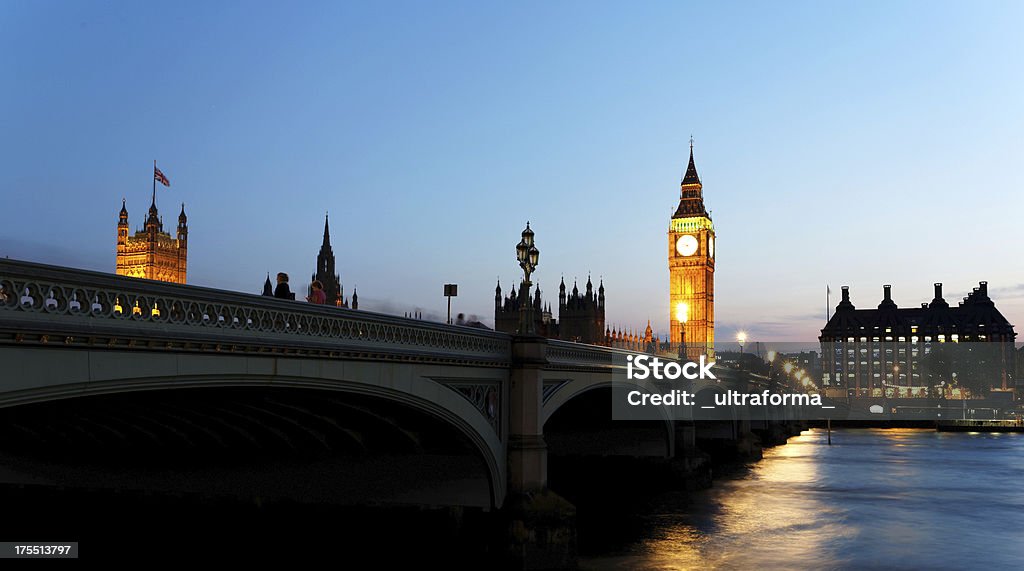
(875, 499)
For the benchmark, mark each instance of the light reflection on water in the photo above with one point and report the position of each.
(875, 499)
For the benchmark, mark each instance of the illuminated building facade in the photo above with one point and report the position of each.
(691, 268)
(930, 351)
(152, 253)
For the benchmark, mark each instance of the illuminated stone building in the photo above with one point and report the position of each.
(152, 253)
(691, 267)
(930, 351)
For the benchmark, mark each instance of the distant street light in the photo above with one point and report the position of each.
(682, 314)
(742, 338)
(528, 256)
(450, 291)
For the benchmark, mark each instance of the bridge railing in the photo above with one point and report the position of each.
(38, 301)
(574, 355)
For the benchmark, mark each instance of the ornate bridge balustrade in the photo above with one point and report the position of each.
(46, 304)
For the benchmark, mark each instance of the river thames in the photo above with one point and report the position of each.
(875, 499)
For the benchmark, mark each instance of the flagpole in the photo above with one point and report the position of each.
(154, 182)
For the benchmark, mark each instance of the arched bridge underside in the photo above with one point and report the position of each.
(273, 428)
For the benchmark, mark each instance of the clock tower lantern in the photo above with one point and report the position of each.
(691, 268)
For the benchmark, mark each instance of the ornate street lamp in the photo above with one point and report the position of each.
(682, 314)
(528, 256)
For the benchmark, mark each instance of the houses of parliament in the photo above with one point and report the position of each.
(151, 253)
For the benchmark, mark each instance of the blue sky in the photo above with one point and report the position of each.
(844, 143)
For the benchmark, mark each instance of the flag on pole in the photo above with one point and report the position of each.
(159, 177)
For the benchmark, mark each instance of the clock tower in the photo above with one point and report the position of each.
(691, 268)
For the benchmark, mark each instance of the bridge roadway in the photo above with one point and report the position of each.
(91, 360)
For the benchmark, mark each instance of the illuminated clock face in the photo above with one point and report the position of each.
(686, 245)
(711, 246)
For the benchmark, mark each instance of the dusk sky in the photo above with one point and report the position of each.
(855, 144)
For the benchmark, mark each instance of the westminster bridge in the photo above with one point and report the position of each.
(115, 382)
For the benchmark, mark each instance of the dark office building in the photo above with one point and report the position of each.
(935, 350)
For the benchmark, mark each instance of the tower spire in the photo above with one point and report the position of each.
(691, 195)
(327, 229)
(691, 176)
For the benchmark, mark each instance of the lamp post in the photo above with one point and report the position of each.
(742, 338)
(528, 256)
(682, 314)
(771, 363)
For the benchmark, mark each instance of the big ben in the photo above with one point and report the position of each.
(691, 268)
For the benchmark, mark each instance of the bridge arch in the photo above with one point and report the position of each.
(562, 392)
(54, 374)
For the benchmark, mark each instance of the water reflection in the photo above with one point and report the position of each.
(875, 499)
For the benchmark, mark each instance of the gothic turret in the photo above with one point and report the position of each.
(325, 270)
(122, 228)
(182, 227)
(268, 288)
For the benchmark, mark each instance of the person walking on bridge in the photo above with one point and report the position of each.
(316, 293)
(282, 291)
